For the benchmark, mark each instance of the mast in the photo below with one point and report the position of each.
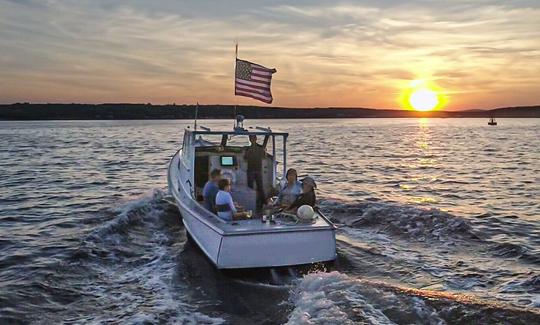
(234, 76)
(196, 115)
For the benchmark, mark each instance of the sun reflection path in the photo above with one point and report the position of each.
(422, 165)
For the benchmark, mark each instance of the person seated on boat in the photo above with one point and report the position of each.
(224, 202)
(254, 155)
(307, 197)
(211, 189)
(290, 191)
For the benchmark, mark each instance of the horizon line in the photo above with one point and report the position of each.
(274, 107)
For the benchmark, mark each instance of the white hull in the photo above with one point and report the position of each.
(250, 243)
(276, 249)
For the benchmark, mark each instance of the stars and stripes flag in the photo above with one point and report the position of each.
(253, 80)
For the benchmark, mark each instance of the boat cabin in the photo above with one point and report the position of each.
(205, 150)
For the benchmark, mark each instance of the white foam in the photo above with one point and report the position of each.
(336, 298)
(147, 206)
(142, 288)
(406, 220)
(332, 298)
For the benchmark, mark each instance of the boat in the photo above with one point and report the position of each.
(249, 243)
(492, 121)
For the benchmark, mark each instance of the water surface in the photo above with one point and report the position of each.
(439, 223)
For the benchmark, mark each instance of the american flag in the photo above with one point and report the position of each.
(253, 80)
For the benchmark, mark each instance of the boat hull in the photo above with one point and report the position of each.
(206, 238)
(276, 249)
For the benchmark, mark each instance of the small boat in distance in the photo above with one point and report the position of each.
(249, 243)
(492, 121)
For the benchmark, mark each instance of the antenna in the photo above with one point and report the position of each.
(196, 115)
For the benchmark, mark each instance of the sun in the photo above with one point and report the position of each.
(422, 95)
(423, 99)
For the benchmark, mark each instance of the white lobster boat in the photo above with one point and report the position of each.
(242, 243)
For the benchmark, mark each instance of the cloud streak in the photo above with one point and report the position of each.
(327, 54)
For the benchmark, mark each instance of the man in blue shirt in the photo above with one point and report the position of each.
(211, 189)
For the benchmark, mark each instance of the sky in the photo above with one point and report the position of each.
(478, 54)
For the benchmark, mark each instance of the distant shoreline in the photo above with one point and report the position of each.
(27, 111)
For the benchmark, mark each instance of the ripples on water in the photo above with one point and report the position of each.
(439, 223)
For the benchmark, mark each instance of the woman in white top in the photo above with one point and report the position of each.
(291, 190)
(224, 203)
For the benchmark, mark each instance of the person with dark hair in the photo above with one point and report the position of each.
(291, 190)
(254, 155)
(308, 194)
(224, 203)
(211, 189)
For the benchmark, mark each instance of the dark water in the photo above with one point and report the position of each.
(439, 224)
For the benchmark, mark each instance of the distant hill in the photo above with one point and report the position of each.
(27, 111)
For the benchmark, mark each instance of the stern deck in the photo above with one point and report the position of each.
(255, 226)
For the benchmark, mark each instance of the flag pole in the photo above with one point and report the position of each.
(196, 115)
(235, 59)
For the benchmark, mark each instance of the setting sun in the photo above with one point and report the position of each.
(423, 100)
(422, 95)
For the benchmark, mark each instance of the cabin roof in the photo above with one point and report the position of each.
(250, 131)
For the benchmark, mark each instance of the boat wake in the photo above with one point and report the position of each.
(435, 250)
(128, 265)
(390, 270)
(406, 221)
(336, 298)
(501, 237)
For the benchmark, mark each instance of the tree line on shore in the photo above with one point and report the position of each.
(28, 111)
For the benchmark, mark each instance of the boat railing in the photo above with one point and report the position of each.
(318, 210)
(263, 129)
